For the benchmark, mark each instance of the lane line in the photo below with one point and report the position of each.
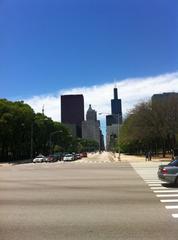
(175, 215)
(169, 200)
(154, 188)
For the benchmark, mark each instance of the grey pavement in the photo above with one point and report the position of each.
(80, 201)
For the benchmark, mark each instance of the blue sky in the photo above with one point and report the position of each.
(48, 45)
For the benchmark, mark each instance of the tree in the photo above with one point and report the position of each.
(15, 120)
(24, 133)
(152, 126)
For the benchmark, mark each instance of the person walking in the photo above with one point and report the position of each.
(146, 156)
(149, 156)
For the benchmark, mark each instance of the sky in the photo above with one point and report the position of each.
(54, 47)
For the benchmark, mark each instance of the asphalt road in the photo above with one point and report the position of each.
(80, 201)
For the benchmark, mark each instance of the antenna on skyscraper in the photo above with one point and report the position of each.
(43, 109)
(115, 83)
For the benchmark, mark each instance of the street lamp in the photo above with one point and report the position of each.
(112, 138)
(32, 133)
(31, 142)
(50, 136)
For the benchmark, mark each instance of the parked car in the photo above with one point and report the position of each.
(169, 172)
(68, 157)
(83, 154)
(78, 156)
(40, 158)
(51, 158)
(58, 156)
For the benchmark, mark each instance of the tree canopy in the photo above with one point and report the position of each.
(151, 125)
(24, 134)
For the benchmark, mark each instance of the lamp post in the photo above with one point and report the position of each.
(31, 142)
(32, 134)
(50, 136)
(118, 130)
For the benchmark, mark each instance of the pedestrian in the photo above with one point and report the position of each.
(146, 156)
(172, 154)
(149, 156)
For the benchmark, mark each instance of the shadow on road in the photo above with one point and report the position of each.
(169, 185)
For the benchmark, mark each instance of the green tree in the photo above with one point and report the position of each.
(150, 126)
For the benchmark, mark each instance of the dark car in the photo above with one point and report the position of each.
(58, 156)
(78, 156)
(169, 172)
(83, 154)
(52, 158)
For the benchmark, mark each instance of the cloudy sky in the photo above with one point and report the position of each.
(131, 91)
(54, 47)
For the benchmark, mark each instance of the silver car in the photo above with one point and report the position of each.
(169, 172)
(68, 157)
(40, 158)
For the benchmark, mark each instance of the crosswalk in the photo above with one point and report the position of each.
(90, 161)
(167, 194)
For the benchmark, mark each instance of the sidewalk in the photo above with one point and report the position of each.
(134, 158)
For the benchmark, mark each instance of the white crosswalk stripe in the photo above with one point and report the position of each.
(168, 200)
(154, 185)
(167, 195)
(163, 191)
(171, 207)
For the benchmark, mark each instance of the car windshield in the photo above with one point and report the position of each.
(174, 163)
(40, 156)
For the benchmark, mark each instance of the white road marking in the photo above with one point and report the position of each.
(152, 181)
(171, 207)
(155, 185)
(166, 191)
(175, 215)
(154, 188)
(169, 200)
(167, 195)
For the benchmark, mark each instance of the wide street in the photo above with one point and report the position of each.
(96, 198)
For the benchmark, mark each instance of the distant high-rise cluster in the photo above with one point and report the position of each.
(113, 121)
(72, 115)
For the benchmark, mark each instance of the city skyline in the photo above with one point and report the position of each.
(131, 91)
(53, 48)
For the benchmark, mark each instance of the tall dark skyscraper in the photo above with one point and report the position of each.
(113, 121)
(72, 112)
(116, 107)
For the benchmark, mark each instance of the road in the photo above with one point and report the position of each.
(96, 198)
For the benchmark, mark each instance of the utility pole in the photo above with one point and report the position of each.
(31, 142)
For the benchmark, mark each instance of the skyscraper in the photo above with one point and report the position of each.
(72, 113)
(113, 121)
(116, 107)
(91, 127)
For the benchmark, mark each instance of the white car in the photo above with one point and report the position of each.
(68, 157)
(40, 158)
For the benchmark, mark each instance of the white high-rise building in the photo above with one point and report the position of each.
(91, 127)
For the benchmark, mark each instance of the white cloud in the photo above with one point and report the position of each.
(131, 91)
